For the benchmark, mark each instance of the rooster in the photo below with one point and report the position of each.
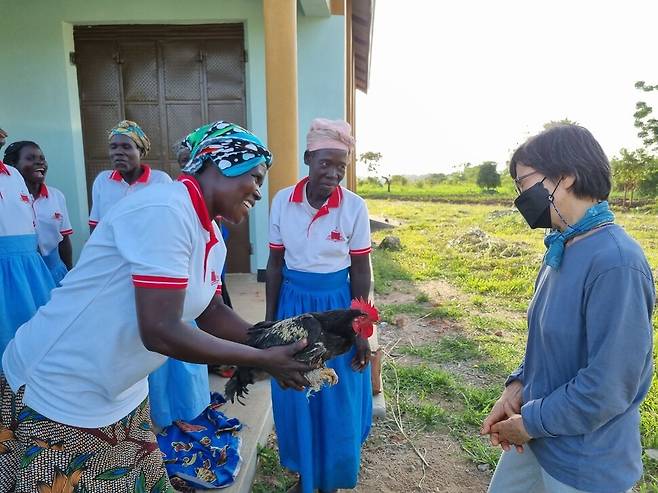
(329, 334)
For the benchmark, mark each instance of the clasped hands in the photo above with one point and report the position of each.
(504, 425)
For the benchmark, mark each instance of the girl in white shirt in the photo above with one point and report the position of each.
(25, 282)
(52, 218)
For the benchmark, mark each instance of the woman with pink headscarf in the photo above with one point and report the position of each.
(320, 260)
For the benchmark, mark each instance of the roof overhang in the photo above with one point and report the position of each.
(363, 16)
(363, 12)
(316, 8)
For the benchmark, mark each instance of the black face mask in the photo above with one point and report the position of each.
(534, 204)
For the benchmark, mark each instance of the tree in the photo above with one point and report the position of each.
(556, 123)
(371, 160)
(488, 176)
(436, 178)
(387, 179)
(649, 184)
(629, 169)
(647, 125)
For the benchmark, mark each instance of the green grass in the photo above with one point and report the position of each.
(433, 400)
(449, 311)
(388, 313)
(466, 192)
(447, 349)
(271, 478)
(435, 245)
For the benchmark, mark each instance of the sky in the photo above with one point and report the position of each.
(469, 80)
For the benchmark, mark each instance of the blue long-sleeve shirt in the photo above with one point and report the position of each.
(588, 362)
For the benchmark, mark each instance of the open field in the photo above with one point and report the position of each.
(454, 302)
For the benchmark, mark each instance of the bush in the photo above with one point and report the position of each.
(488, 176)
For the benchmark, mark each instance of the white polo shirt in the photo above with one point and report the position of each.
(319, 240)
(16, 214)
(81, 357)
(109, 188)
(52, 218)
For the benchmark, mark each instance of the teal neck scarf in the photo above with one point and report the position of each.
(596, 216)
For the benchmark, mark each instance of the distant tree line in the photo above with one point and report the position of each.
(485, 175)
(635, 172)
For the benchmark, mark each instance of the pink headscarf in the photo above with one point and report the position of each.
(329, 134)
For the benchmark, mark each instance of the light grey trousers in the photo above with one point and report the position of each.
(521, 473)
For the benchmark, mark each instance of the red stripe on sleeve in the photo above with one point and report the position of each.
(66, 232)
(159, 282)
(219, 290)
(362, 251)
(92, 223)
(277, 246)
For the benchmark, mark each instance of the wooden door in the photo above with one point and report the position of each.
(168, 79)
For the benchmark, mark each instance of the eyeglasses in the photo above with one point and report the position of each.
(519, 179)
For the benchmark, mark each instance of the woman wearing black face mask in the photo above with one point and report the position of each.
(568, 419)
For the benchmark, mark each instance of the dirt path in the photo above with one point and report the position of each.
(389, 465)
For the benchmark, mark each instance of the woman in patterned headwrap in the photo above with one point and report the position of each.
(128, 145)
(180, 390)
(183, 153)
(74, 412)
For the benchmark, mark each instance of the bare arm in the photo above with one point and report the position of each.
(360, 274)
(159, 313)
(273, 278)
(221, 321)
(66, 252)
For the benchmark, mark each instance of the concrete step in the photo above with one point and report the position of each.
(257, 424)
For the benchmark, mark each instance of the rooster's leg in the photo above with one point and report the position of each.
(328, 376)
(319, 377)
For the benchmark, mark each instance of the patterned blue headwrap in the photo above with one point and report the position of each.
(234, 150)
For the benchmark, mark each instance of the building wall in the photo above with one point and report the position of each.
(321, 65)
(40, 92)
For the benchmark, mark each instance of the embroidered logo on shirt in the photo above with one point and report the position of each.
(25, 198)
(335, 235)
(57, 215)
(214, 279)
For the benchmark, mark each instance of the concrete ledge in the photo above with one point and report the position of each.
(257, 424)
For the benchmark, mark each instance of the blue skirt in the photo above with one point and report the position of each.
(320, 437)
(55, 265)
(25, 284)
(178, 390)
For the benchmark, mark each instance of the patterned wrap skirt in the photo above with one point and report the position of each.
(43, 456)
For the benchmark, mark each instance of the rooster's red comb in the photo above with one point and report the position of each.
(366, 307)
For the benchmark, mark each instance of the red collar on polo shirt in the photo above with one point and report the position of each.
(146, 174)
(43, 191)
(199, 205)
(332, 202)
(4, 169)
